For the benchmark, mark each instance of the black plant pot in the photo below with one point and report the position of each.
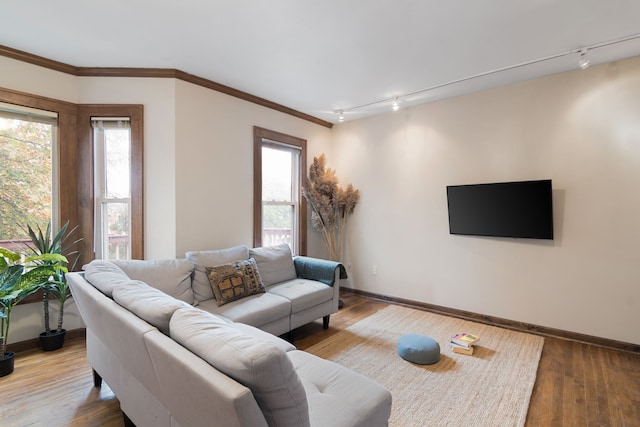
(52, 340)
(6, 363)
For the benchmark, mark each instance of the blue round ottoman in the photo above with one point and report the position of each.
(419, 349)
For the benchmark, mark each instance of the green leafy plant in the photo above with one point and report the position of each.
(18, 280)
(57, 288)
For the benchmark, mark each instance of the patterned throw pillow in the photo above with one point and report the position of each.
(236, 280)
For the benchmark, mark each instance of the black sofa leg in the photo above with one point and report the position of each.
(127, 421)
(325, 322)
(97, 379)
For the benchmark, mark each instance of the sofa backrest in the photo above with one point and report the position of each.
(148, 303)
(202, 259)
(259, 364)
(145, 301)
(171, 276)
(104, 276)
(195, 393)
(275, 263)
(120, 330)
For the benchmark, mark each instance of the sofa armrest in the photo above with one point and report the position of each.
(321, 270)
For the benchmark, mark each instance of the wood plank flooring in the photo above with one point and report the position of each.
(577, 384)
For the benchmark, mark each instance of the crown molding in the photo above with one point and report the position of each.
(38, 60)
(155, 73)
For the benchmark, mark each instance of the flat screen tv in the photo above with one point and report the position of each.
(521, 209)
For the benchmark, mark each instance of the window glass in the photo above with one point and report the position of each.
(118, 163)
(112, 166)
(117, 217)
(279, 194)
(27, 149)
(276, 174)
(279, 212)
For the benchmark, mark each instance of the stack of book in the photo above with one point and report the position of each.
(463, 343)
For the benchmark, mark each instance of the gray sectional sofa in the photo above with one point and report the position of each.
(175, 357)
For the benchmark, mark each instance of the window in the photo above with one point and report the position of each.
(28, 148)
(112, 182)
(72, 189)
(280, 192)
(279, 208)
(110, 189)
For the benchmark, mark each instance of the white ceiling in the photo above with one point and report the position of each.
(321, 56)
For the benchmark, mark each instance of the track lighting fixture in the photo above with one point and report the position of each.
(584, 61)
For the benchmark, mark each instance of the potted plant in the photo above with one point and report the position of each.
(56, 288)
(17, 281)
(331, 206)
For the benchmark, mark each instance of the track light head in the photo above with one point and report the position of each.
(395, 106)
(584, 61)
(340, 116)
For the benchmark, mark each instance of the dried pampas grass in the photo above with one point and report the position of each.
(330, 204)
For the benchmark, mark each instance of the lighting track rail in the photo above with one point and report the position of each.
(583, 63)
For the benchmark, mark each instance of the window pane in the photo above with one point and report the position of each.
(25, 177)
(276, 174)
(117, 155)
(280, 165)
(112, 143)
(277, 223)
(117, 216)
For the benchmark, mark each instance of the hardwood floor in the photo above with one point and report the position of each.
(577, 384)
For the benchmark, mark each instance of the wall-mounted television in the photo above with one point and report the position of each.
(522, 209)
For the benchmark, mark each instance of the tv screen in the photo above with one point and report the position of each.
(506, 209)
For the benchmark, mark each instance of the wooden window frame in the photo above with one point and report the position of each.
(86, 195)
(75, 168)
(258, 135)
(67, 157)
(67, 147)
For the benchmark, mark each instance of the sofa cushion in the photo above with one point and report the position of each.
(262, 335)
(148, 303)
(302, 293)
(202, 259)
(171, 276)
(104, 276)
(275, 263)
(340, 396)
(235, 280)
(258, 364)
(255, 310)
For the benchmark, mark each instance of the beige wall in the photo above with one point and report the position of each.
(214, 166)
(27, 320)
(158, 98)
(198, 170)
(23, 77)
(581, 129)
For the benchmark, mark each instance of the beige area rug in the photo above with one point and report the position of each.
(490, 388)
